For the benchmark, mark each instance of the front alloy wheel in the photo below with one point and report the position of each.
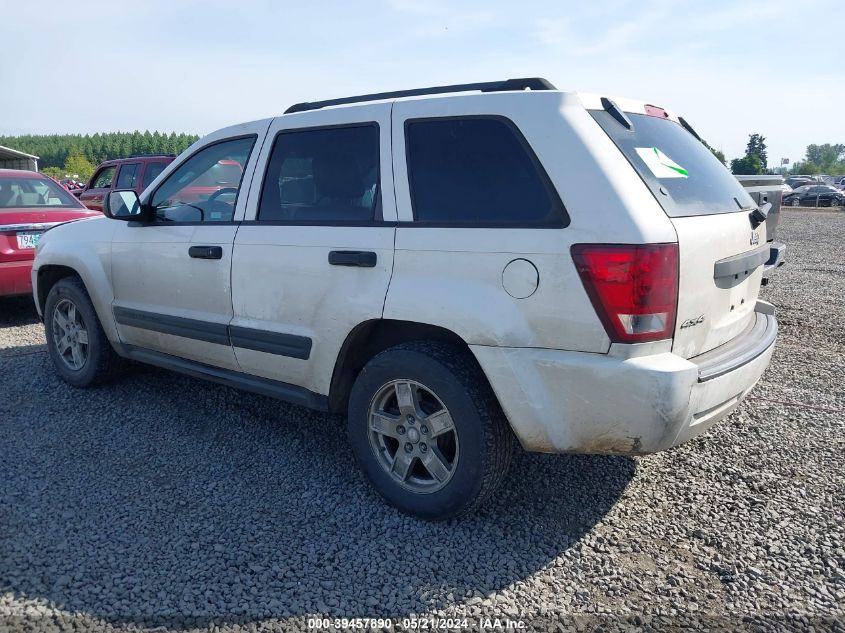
(70, 335)
(76, 342)
(412, 436)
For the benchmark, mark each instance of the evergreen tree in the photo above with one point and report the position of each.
(757, 147)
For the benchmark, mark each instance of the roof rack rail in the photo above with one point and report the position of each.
(149, 155)
(526, 83)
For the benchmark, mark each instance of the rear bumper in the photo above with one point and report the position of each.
(15, 278)
(564, 402)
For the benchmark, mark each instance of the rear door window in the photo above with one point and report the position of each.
(477, 171)
(681, 172)
(327, 175)
(128, 176)
(152, 172)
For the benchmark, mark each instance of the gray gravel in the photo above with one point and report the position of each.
(163, 501)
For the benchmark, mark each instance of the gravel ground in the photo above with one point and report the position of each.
(163, 501)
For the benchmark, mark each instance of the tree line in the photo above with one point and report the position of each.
(819, 159)
(61, 154)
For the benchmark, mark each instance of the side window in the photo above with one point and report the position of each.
(104, 178)
(322, 175)
(153, 170)
(477, 171)
(127, 178)
(195, 192)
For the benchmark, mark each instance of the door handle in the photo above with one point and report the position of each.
(363, 259)
(206, 252)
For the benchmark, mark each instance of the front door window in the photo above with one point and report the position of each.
(205, 187)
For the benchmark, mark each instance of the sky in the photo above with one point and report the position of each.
(729, 68)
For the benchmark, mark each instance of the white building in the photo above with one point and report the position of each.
(13, 159)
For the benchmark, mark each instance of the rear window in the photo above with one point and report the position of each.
(34, 193)
(681, 172)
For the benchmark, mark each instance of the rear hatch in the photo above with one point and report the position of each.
(720, 265)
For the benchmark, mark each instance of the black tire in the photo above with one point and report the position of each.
(101, 362)
(483, 433)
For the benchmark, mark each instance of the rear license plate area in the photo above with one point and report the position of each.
(29, 240)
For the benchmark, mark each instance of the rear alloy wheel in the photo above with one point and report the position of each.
(427, 430)
(412, 436)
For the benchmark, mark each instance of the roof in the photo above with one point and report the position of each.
(137, 158)
(9, 153)
(21, 173)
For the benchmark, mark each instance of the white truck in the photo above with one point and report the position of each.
(453, 267)
(769, 189)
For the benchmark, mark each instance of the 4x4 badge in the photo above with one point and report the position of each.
(692, 322)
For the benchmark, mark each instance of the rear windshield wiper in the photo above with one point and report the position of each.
(614, 111)
(688, 128)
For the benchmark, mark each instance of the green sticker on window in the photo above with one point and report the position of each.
(660, 164)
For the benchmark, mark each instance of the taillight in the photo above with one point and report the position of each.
(634, 288)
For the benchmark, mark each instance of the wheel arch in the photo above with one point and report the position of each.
(372, 337)
(49, 276)
(94, 279)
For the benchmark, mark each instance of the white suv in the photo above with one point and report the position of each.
(453, 267)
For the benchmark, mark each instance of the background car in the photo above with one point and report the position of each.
(800, 181)
(29, 205)
(135, 172)
(815, 196)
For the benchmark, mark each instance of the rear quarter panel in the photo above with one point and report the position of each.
(452, 277)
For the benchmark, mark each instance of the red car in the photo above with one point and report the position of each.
(29, 204)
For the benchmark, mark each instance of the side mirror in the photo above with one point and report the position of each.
(125, 205)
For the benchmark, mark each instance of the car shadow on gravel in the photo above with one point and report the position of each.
(16, 311)
(166, 501)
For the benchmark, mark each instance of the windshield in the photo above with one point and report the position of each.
(681, 172)
(33, 193)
